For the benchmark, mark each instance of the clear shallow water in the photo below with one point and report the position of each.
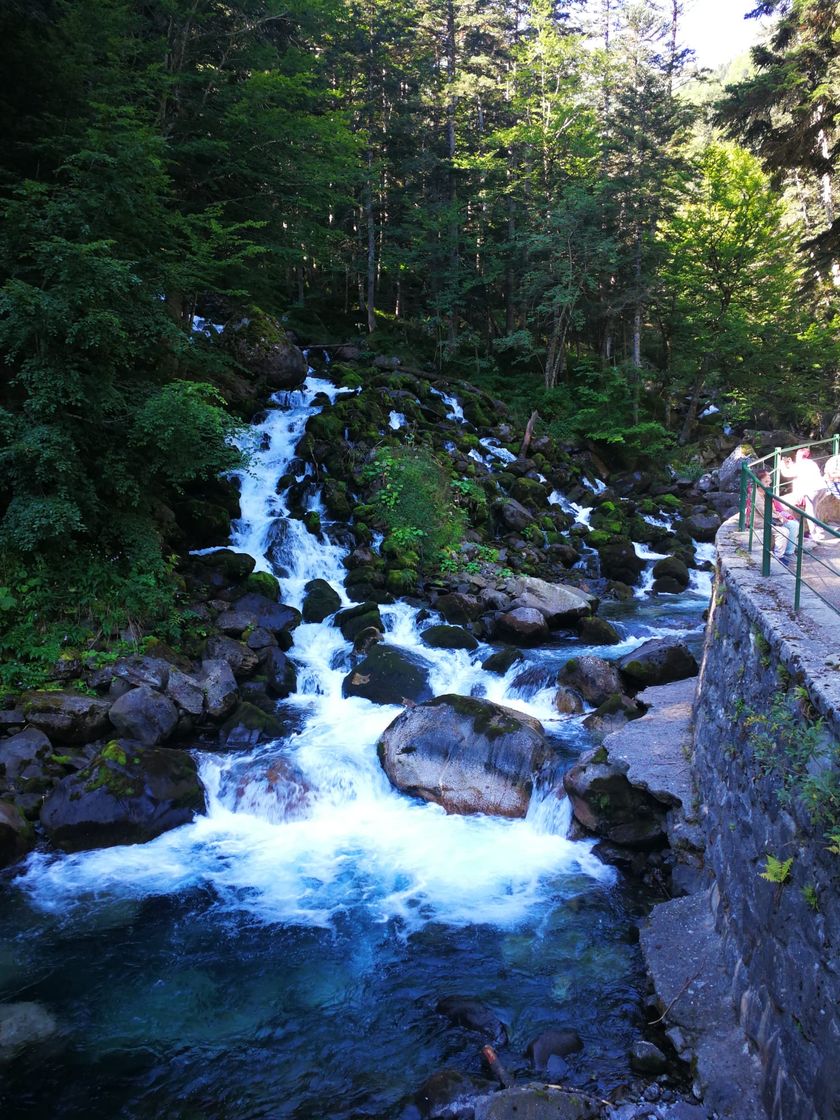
(283, 954)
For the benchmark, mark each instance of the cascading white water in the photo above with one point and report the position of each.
(456, 412)
(337, 836)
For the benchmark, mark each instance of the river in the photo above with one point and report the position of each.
(283, 957)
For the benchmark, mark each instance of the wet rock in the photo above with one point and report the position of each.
(221, 692)
(16, 839)
(458, 608)
(559, 604)
(242, 660)
(554, 1042)
(598, 632)
(658, 661)
(127, 794)
(352, 621)
(605, 803)
(137, 671)
(474, 1015)
(567, 701)
(20, 751)
(145, 715)
(528, 682)
(674, 569)
(647, 1058)
(702, 525)
(729, 472)
(250, 724)
(320, 601)
(67, 717)
(448, 637)
(525, 625)
(23, 1025)
(615, 712)
(500, 661)
(235, 623)
(280, 673)
(538, 1102)
(185, 692)
(513, 515)
(466, 754)
(11, 718)
(228, 566)
(388, 675)
(447, 1093)
(619, 561)
(272, 616)
(594, 678)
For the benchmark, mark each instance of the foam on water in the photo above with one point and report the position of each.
(335, 836)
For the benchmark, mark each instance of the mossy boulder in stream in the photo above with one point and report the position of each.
(388, 675)
(466, 754)
(127, 794)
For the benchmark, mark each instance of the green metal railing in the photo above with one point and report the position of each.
(750, 487)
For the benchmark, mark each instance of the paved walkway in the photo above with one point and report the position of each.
(820, 565)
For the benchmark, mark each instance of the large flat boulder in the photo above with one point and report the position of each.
(67, 717)
(560, 604)
(465, 754)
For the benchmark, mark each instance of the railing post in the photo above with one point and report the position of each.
(777, 476)
(767, 543)
(835, 444)
(742, 517)
(800, 548)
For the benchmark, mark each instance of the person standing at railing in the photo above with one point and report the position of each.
(807, 481)
(784, 521)
(831, 475)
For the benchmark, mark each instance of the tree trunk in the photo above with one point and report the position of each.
(370, 289)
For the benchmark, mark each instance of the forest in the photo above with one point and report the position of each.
(540, 196)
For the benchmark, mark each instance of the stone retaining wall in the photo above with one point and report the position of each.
(781, 938)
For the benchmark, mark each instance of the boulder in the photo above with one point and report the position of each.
(474, 1015)
(645, 1057)
(22, 1025)
(20, 751)
(513, 515)
(615, 712)
(234, 623)
(500, 661)
(458, 608)
(136, 671)
(251, 725)
(538, 1102)
(560, 604)
(466, 754)
(145, 715)
(226, 566)
(525, 625)
(671, 567)
(619, 561)
(448, 637)
(272, 616)
(16, 837)
(567, 701)
(594, 678)
(445, 1093)
(605, 802)
(221, 692)
(127, 794)
(827, 507)
(388, 675)
(259, 639)
(596, 631)
(553, 1042)
(242, 660)
(67, 717)
(280, 673)
(729, 472)
(353, 620)
(702, 525)
(185, 692)
(658, 661)
(320, 601)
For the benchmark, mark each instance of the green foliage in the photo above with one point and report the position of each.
(414, 499)
(797, 751)
(776, 870)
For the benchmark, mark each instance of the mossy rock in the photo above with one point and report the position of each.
(448, 637)
(402, 581)
(312, 521)
(262, 583)
(320, 600)
(671, 501)
(336, 499)
(252, 718)
(353, 620)
(325, 427)
(234, 566)
(597, 631)
(598, 538)
(500, 661)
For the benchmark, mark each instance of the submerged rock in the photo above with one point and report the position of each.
(466, 754)
(475, 1015)
(23, 1025)
(553, 1042)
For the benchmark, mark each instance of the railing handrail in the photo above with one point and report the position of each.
(750, 482)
